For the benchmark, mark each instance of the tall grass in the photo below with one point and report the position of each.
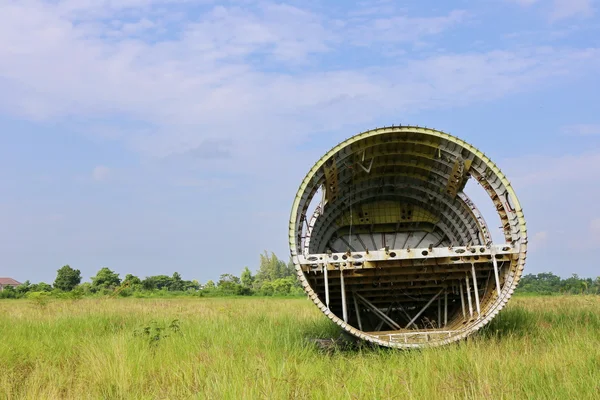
(237, 348)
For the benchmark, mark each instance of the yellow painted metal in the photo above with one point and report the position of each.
(331, 181)
(386, 212)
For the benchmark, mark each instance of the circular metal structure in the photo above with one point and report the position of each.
(389, 247)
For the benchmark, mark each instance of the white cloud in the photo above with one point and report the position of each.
(403, 29)
(239, 74)
(100, 173)
(543, 170)
(582, 130)
(562, 9)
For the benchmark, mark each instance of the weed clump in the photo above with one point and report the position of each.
(154, 332)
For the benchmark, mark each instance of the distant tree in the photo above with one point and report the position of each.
(131, 280)
(283, 286)
(574, 284)
(192, 285)
(67, 278)
(86, 288)
(176, 282)
(267, 289)
(23, 288)
(228, 278)
(291, 268)
(246, 278)
(149, 283)
(210, 284)
(291, 273)
(229, 284)
(271, 268)
(40, 287)
(548, 283)
(161, 281)
(106, 279)
(8, 292)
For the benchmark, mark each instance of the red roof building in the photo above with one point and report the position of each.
(4, 282)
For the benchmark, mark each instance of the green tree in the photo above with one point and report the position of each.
(229, 284)
(149, 283)
(23, 288)
(40, 287)
(86, 287)
(176, 282)
(267, 289)
(290, 269)
(191, 285)
(246, 278)
(67, 278)
(209, 285)
(271, 268)
(131, 280)
(283, 286)
(106, 279)
(8, 292)
(161, 281)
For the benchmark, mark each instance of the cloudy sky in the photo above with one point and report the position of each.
(154, 136)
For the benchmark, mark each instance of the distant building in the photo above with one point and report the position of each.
(4, 282)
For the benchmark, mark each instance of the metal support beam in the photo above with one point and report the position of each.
(439, 312)
(421, 240)
(378, 312)
(495, 262)
(412, 321)
(326, 281)
(462, 299)
(364, 246)
(357, 312)
(343, 289)
(475, 289)
(445, 308)
(469, 297)
(347, 244)
(388, 313)
(437, 255)
(406, 240)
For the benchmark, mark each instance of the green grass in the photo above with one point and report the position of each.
(236, 348)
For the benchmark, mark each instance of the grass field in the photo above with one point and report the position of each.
(236, 348)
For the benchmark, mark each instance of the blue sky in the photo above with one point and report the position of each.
(154, 136)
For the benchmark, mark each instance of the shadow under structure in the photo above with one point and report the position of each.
(388, 246)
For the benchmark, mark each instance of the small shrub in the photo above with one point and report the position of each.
(154, 333)
(40, 299)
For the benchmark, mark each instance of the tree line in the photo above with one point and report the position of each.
(548, 283)
(274, 277)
